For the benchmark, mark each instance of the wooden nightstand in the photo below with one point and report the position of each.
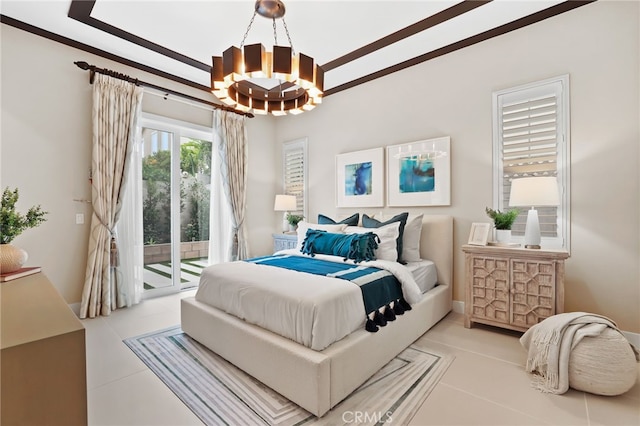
(284, 241)
(512, 288)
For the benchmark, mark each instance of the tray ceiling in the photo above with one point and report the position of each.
(354, 41)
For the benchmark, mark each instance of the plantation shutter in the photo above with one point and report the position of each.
(531, 142)
(294, 173)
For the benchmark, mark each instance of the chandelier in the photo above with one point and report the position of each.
(422, 151)
(251, 79)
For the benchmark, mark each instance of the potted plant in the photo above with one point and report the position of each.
(293, 220)
(12, 224)
(502, 222)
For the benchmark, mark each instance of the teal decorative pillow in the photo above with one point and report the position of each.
(359, 247)
(350, 221)
(369, 222)
(387, 234)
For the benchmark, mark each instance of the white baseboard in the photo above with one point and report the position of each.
(633, 338)
(458, 307)
(75, 307)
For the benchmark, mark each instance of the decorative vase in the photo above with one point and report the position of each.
(503, 236)
(11, 258)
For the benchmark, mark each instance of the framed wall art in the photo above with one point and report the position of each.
(479, 234)
(419, 173)
(359, 178)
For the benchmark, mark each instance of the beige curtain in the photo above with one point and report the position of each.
(231, 138)
(116, 108)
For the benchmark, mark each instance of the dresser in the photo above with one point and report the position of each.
(43, 356)
(512, 288)
(284, 241)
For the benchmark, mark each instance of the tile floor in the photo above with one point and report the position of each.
(485, 385)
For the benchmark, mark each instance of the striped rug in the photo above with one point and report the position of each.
(221, 394)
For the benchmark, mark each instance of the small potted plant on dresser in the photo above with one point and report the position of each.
(293, 220)
(12, 224)
(502, 221)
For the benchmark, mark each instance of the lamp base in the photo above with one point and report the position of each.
(532, 230)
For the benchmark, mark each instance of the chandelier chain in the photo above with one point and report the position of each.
(284, 24)
(246, 33)
(275, 33)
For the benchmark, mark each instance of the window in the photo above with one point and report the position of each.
(294, 162)
(531, 138)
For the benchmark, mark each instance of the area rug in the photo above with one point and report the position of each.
(219, 393)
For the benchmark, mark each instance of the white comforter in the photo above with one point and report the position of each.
(315, 314)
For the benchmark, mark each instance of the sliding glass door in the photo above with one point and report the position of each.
(176, 182)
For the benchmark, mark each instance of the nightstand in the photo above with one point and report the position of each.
(284, 241)
(512, 288)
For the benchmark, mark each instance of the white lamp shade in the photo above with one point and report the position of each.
(534, 191)
(285, 203)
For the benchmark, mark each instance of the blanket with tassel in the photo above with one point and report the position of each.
(381, 290)
(549, 344)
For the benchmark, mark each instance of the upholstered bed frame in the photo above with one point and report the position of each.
(319, 380)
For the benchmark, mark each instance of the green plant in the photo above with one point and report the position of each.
(156, 226)
(195, 156)
(195, 159)
(198, 227)
(502, 220)
(293, 219)
(13, 223)
(157, 166)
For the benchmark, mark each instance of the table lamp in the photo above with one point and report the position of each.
(285, 203)
(534, 191)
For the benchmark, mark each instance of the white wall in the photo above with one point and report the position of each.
(46, 150)
(597, 45)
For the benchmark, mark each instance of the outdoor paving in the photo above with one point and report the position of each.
(156, 275)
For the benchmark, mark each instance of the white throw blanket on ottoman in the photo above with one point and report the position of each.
(550, 343)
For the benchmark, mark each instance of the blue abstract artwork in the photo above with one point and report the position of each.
(416, 174)
(358, 179)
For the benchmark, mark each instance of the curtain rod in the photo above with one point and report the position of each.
(93, 69)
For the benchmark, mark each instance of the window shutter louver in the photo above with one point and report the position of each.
(531, 128)
(294, 173)
(529, 148)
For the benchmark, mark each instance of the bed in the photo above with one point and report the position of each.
(317, 380)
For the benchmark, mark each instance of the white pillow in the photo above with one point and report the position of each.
(304, 226)
(411, 239)
(388, 234)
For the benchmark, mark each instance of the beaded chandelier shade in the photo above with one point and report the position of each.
(252, 79)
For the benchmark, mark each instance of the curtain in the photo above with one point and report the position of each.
(230, 139)
(116, 108)
(220, 222)
(129, 274)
